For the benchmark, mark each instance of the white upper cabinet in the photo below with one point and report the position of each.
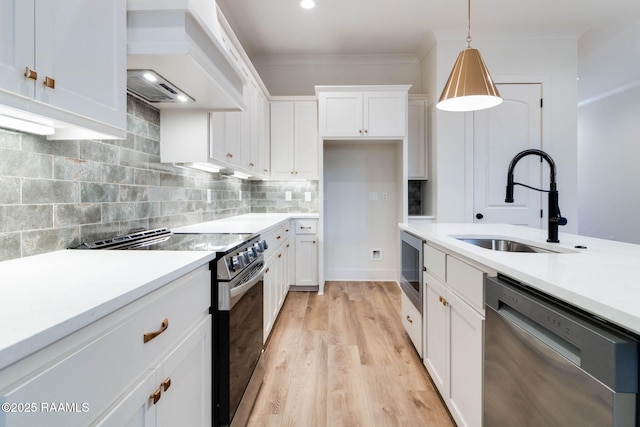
(294, 139)
(70, 72)
(362, 111)
(417, 139)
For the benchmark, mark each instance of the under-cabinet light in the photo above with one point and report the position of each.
(25, 122)
(207, 167)
(241, 175)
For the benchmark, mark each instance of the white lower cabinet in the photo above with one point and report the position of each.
(412, 322)
(276, 276)
(454, 352)
(454, 331)
(176, 392)
(108, 372)
(305, 271)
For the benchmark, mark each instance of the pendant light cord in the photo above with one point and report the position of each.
(468, 24)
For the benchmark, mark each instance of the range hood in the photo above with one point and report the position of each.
(179, 40)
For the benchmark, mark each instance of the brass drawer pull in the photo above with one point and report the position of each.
(305, 228)
(151, 335)
(278, 238)
(30, 74)
(166, 384)
(279, 255)
(49, 82)
(409, 319)
(229, 155)
(155, 396)
(266, 271)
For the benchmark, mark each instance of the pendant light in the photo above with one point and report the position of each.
(470, 86)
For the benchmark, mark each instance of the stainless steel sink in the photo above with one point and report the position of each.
(504, 245)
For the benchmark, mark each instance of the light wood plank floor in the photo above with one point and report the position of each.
(344, 359)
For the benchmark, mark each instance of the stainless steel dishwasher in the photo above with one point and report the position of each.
(549, 364)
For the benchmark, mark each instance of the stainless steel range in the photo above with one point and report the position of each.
(237, 309)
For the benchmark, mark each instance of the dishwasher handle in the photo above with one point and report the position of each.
(608, 354)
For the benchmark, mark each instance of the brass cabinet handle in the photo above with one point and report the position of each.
(49, 82)
(151, 335)
(287, 245)
(305, 228)
(229, 155)
(366, 131)
(313, 241)
(166, 384)
(277, 237)
(279, 255)
(155, 396)
(409, 319)
(360, 131)
(251, 164)
(266, 271)
(30, 74)
(286, 231)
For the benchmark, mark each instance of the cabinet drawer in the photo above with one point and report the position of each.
(276, 235)
(100, 368)
(435, 262)
(306, 226)
(412, 322)
(468, 281)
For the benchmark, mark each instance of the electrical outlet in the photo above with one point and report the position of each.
(287, 195)
(385, 195)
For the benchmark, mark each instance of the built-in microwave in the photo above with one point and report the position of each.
(412, 268)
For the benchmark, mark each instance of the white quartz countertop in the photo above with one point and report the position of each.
(603, 279)
(248, 223)
(46, 297)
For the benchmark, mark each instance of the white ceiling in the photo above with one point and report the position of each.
(352, 27)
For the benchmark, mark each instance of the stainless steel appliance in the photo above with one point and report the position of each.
(412, 268)
(237, 309)
(550, 364)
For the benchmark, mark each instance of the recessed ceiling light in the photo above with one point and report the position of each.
(308, 4)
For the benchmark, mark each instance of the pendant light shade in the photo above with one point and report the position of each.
(470, 86)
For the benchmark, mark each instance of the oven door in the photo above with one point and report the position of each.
(412, 269)
(239, 369)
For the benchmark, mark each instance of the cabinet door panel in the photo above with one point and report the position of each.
(466, 363)
(282, 139)
(306, 260)
(417, 143)
(17, 45)
(134, 409)
(341, 114)
(436, 358)
(306, 139)
(187, 400)
(385, 114)
(95, 31)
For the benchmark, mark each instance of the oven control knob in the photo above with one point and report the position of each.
(264, 245)
(245, 257)
(257, 249)
(251, 254)
(237, 263)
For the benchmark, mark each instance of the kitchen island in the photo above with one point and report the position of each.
(599, 276)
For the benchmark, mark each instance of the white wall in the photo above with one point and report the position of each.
(609, 172)
(510, 58)
(354, 225)
(287, 76)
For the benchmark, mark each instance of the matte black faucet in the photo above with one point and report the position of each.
(555, 219)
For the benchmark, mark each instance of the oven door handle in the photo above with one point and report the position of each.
(239, 291)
